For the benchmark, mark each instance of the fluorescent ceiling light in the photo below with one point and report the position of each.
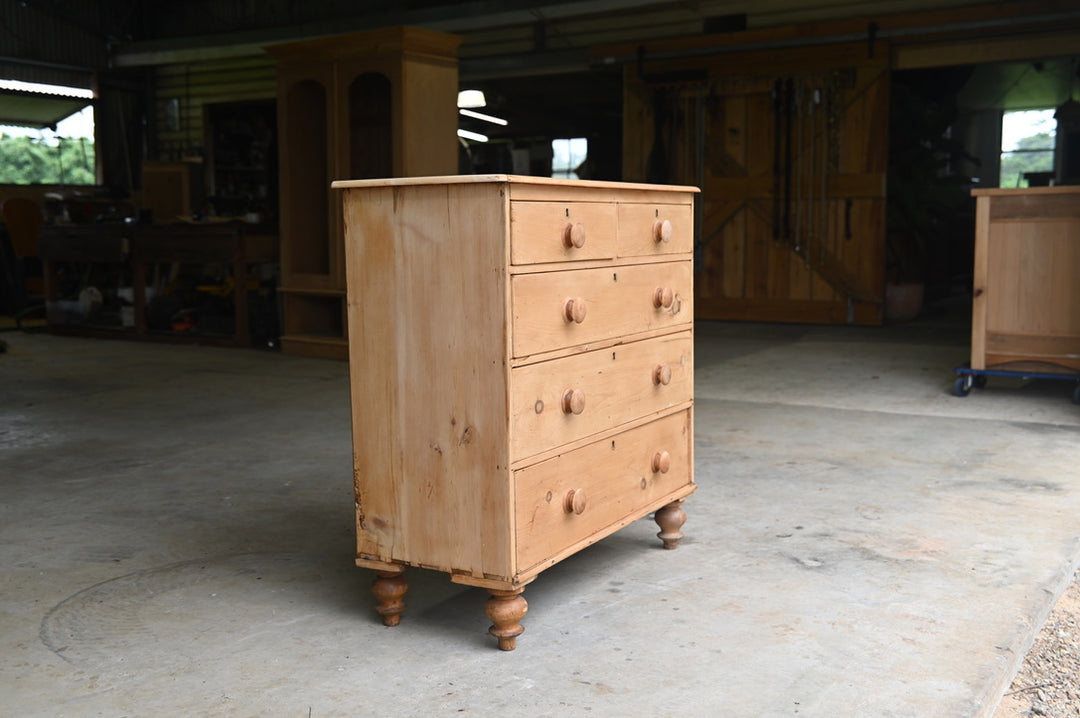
(471, 98)
(482, 116)
(475, 136)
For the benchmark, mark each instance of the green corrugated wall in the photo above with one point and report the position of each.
(193, 86)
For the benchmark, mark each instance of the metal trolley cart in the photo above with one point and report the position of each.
(967, 378)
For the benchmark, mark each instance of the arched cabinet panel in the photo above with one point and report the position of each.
(371, 134)
(375, 104)
(306, 219)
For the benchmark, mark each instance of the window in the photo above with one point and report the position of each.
(1027, 146)
(64, 155)
(567, 156)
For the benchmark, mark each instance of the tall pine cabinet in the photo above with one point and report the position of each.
(375, 104)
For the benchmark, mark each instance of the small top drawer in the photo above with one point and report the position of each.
(561, 231)
(655, 229)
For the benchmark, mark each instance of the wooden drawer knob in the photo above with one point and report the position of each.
(574, 235)
(664, 297)
(662, 230)
(574, 502)
(575, 310)
(661, 462)
(661, 374)
(573, 401)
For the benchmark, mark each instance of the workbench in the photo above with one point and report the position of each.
(116, 260)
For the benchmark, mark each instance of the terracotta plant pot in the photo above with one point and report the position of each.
(903, 302)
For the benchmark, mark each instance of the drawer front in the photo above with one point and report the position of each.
(561, 309)
(561, 231)
(610, 481)
(655, 229)
(605, 388)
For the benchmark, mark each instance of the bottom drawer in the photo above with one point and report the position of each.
(568, 499)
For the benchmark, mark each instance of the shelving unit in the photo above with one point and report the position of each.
(243, 159)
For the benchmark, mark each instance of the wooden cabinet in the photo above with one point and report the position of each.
(381, 103)
(521, 369)
(171, 190)
(1026, 307)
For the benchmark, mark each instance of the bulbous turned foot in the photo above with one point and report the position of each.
(389, 588)
(670, 519)
(506, 609)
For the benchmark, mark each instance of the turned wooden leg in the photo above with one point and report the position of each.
(670, 519)
(506, 609)
(389, 588)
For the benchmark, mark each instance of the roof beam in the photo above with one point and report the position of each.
(456, 18)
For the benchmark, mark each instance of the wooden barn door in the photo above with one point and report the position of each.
(791, 154)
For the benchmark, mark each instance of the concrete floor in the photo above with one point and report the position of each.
(176, 539)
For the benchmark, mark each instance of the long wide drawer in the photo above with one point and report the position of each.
(556, 402)
(566, 500)
(553, 310)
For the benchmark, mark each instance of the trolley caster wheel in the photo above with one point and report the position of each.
(963, 385)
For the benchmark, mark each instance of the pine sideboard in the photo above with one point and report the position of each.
(1026, 298)
(521, 374)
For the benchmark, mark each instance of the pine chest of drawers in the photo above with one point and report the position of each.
(521, 374)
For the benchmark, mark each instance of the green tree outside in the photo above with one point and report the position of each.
(1032, 154)
(29, 160)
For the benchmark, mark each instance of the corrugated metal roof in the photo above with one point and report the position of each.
(37, 109)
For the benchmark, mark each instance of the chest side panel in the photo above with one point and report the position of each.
(428, 340)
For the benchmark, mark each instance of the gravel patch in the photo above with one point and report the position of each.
(1048, 682)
